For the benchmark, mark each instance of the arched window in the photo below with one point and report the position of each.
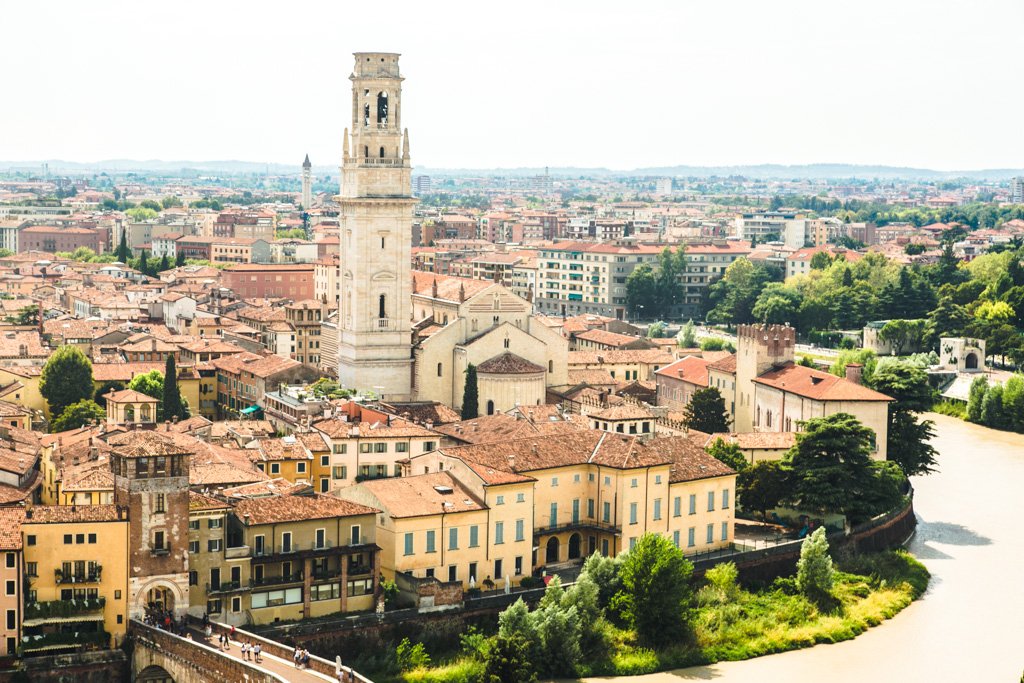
(757, 421)
(551, 366)
(445, 318)
(366, 114)
(490, 407)
(506, 342)
(440, 369)
(382, 152)
(768, 418)
(366, 151)
(382, 108)
(381, 307)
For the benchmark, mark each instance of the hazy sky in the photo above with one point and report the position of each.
(521, 83)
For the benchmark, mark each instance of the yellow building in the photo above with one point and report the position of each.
(295, 557)
(133, 408)
(11, 577)
(213, 573)
(434, 526)
(28, 395)
(76, 563)
(599, 492)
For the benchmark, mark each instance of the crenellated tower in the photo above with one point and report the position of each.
(374, 320)
(759, 348)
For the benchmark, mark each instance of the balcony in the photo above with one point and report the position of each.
(84, 577)
(56, 641)
(63, 610)
(326, 575)
(224, 587)
(358, 569)
(295, 577)
(382, 323)
(296, 548)
(236, 552)
(162, 551)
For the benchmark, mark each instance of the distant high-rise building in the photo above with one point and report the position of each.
(421, 184)
(1017, 190)
(540, 184)
(307, 183)
(663, 186)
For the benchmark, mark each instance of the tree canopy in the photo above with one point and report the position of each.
(706, 412)
(66, 379)
(655, 589)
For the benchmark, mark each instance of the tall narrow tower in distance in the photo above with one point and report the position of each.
(374, 318)
(307, 184)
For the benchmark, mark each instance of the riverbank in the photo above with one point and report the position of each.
(731, 623)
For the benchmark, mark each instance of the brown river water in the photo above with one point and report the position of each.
(969, 626)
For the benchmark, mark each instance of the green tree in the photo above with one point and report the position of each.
(143, 263)
(687, 337)
(151, 384)
(762, 486)
(558, 629)
(151, 204)
(716, 344)
(815, 576)
(165, 264)
(706, 412)
(470, 395)
(170, 202)
(27, 316)
(830, 464)
(993, 413)
(777, 304)
(656, 330)
(947, 319)
(976, 397)
(508, 661)
(174, 406)
(66, 379)
(141, 213)
(100, 396)
(908, 442)
(79, 414)
(821, 260)
(728, 454)
(411, 656)
(655, 590)
(123, 254)
(905, 383)
(179, 259)
(641, 292)
(605, 573)
(669, 290)
(903, 334)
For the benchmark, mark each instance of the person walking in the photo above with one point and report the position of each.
(295, 656)
(256, 652)
(245, 650)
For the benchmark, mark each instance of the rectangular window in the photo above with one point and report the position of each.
(590, 508)
(632, 543)
(453, 538)
(498, 566)
(607, 481)
(633, 483)
(474, 536)
(429, 446)
(711, 533)
(691, 537)
(500, 500)
(365, 447)
(693, 503)
(32, 568)
(657, 508)
(69, 539)
(193, 547)
(325, 461)
(499, 533)
(193, 525)
(725, 531)
(401, 448)
(92, 538)
(554, 481)
(9, 559)
(632, 513)
(31, 538)
(12, 619)
(725, 499)
(431, 541)
(215, 523)
(576, 478)
(300, 468)
(453, 573)
(408, 544)
(657, 479)
(520, 497)
(193, 578)
(286, 542)
(275, 468)
(340, 472)
(321, 538)
(519, 566)
(711, 501)
(677, 506)
(356, 535)
(576, 511)
(606, 512)
(9, 588)
(554, 515)
(520, 529)
(675, 537)
(161, 502)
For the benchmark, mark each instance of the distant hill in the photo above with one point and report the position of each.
(767, 171)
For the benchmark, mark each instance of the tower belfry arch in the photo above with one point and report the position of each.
(374, 323)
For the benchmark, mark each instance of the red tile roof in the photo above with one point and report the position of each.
(817, 385)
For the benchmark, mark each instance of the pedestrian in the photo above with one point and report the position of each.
(295, 656)
(257, 651)
(209, 632)
(245, 650)
(206, 618)
(233, 632)
(304, 660)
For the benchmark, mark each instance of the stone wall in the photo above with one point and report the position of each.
(106, 666)
(188, 661)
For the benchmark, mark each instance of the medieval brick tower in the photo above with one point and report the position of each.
(759, 348)
(151, 481)
(307, 184)
(374, 321)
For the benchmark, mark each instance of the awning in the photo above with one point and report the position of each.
(251, 410)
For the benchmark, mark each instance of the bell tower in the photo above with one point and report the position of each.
(374, 319)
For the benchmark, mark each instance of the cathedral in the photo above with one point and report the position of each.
(412, 337)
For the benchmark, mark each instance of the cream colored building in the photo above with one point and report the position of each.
(376, 213)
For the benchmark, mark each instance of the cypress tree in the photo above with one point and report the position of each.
(173, 405)
(165, 264)
(470, 395)
(122, 249)
(143, 263)
(179, 260)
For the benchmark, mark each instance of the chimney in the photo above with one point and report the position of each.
(855, 373)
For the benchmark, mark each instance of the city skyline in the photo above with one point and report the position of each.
(658, 85)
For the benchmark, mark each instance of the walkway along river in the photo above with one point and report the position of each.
(969, 626)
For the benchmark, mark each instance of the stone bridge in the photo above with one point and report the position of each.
(158, 656)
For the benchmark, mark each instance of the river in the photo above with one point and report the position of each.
(969, 626)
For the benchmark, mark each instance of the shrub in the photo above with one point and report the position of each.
(814, 573)
(474, 644)
(722, 578)
(634, 662)
(952, 408)
(411, 656)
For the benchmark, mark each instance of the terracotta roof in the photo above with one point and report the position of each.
(10, 528)
(715, 356)
(502, 427)
(727, 364)
(448, 287)
(757, 440)
(817, 385)
(609, 338)
(272, 510)
(336, 428)
(198, 501)
(269, 487)
(49, 514)
(287, 448)
(147, 444)
(626, 411)
(417, 496)
(614, 356)
(594, 377)
(129, 396)
(435, 412)
(122, 372)
(509, 363)
(257, 365)
(690, 461)
(691, 369)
